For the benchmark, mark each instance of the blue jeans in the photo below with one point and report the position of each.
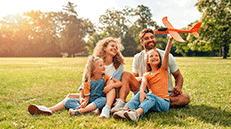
(74, 103)
(154, 103)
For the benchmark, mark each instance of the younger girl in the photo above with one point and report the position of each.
(156, 80)
(92, 94)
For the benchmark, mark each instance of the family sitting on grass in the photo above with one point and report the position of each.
(106, 85)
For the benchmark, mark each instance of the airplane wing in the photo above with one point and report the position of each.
(166, 22)
(174, 34)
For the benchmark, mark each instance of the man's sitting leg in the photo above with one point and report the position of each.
(179, 100)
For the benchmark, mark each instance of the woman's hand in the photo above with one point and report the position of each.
(107, 88)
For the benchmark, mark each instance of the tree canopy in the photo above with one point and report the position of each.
(36, 33)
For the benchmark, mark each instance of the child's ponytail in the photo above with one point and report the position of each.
(89, 67)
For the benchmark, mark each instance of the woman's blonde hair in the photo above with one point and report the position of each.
(99, 51)
(89, 67)
(148, 66)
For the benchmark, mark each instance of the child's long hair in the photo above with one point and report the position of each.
(89, 67)
(148, 66)
(99, 51)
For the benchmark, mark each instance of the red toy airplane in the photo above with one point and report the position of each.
(175, 32)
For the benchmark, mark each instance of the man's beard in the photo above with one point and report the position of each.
(151, 47)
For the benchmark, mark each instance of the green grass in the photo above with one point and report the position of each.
(46, 81)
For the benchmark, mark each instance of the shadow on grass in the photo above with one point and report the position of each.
(190, 114)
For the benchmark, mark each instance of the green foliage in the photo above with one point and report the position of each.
(36, 33)
(182, 47)
(125, 25)
(47, 81)
(216, 28)
(145, 17)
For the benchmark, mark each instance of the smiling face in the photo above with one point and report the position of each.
(148, 41)
(99, 68)
(153, 58)
(111, 49)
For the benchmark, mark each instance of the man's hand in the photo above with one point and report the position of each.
(143, 96)
(176, 91)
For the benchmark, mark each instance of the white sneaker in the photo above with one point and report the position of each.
(105, 112)
(74, 112)
(120, 114)
(132, 115)
(119, 104)
(35, 109)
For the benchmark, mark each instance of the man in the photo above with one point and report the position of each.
(148, 41)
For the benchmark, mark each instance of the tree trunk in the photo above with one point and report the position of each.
(226, 50)
(220, 52)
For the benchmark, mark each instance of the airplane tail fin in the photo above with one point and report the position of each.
(195, 29)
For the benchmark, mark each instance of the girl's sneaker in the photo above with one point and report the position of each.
(120, 114)
(119, 104)
(105, 112)
(34, 109)
(132, 115)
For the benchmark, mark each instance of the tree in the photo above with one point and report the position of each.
(126, 25)
(44, 36)
(216, 27)
(74, 31)
(144, 20)
(113, 22)
(116, 24)
(31, 33)
(144, 17)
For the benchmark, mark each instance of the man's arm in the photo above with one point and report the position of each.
(178, 82)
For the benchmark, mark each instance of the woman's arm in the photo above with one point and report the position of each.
(113, 83)
(166, 54)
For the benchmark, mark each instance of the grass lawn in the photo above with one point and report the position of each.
(46, 81)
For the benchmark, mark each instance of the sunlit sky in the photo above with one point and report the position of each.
(180, 12)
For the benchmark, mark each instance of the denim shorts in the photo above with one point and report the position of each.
(74, 103)
(154, 103)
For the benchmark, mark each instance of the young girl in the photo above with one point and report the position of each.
(109, 50)
(92, 92)
(156, 80)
